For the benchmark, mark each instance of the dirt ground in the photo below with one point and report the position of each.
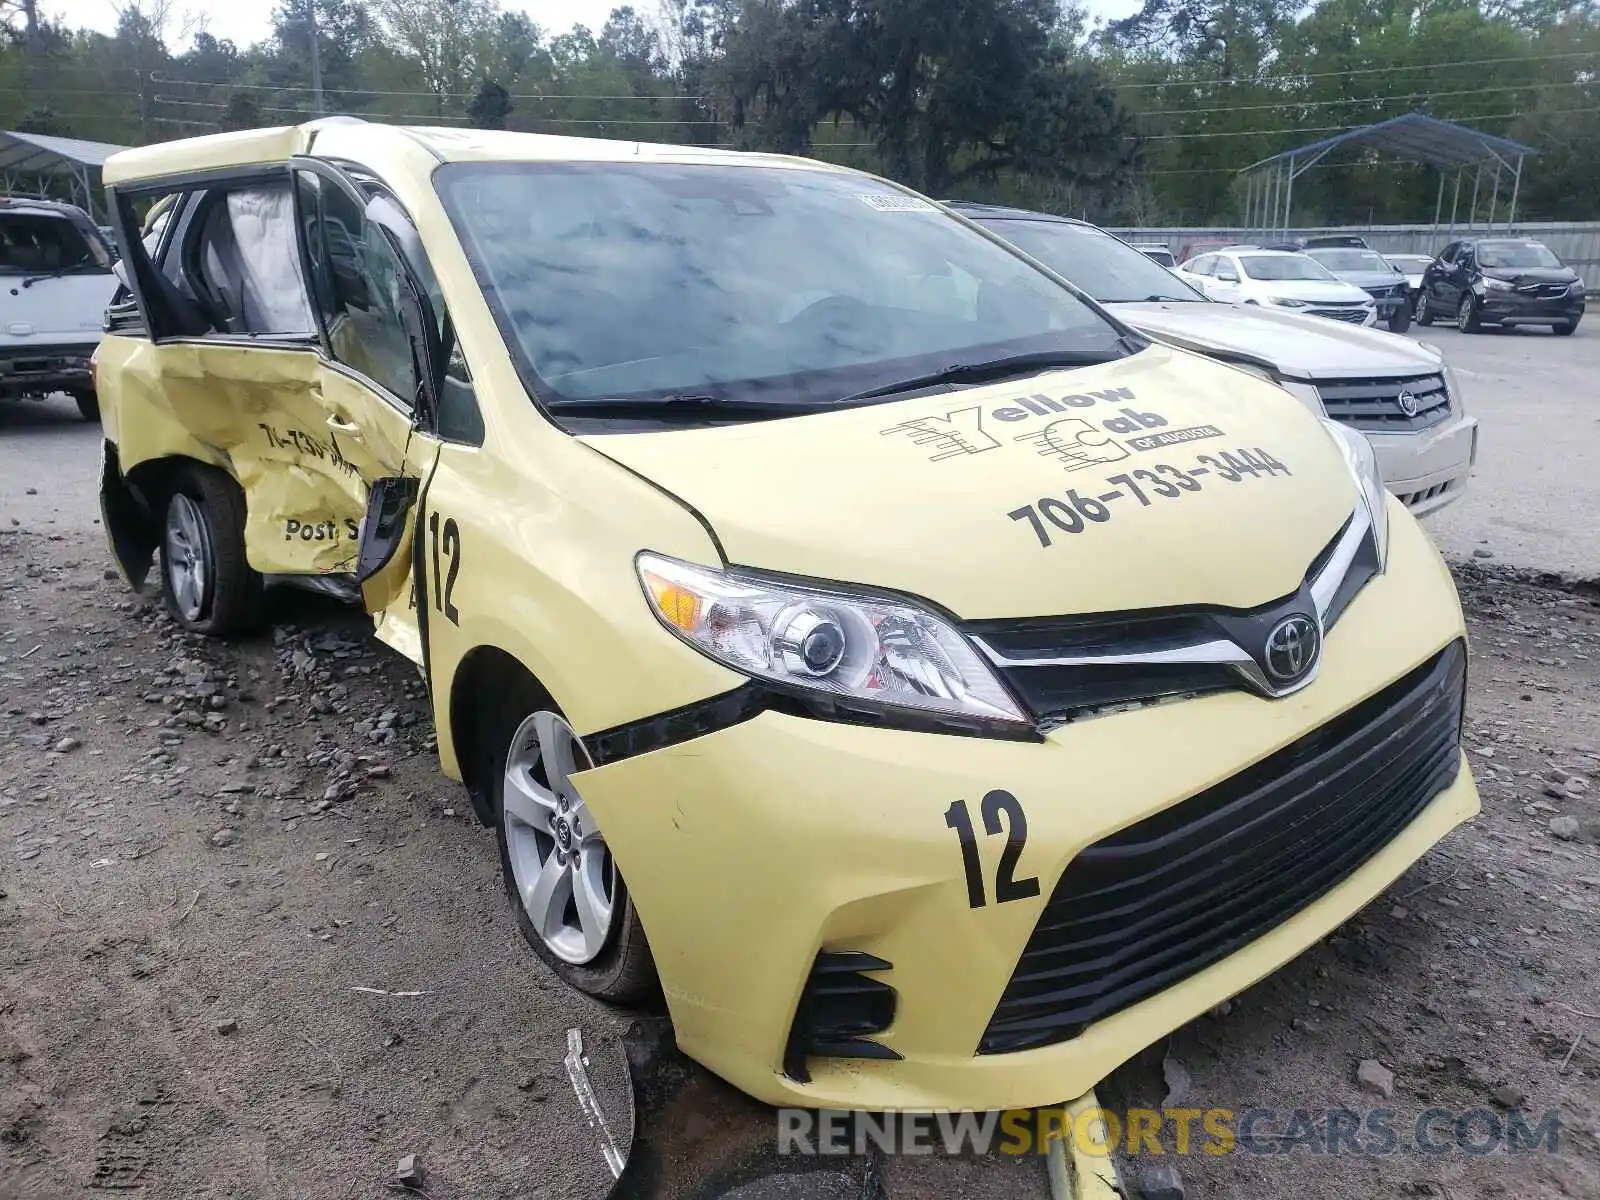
(227, 871)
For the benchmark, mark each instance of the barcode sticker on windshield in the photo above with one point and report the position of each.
(890, 202)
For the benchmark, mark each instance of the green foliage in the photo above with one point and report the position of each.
(1146, 119)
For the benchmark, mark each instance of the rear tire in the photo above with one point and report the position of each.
(609, 960)
(88, 406)
(1423, 316)
(206, 580)
(1566, 329)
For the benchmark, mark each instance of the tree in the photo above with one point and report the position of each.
(242, 113)
(451, 43)
(490, 107)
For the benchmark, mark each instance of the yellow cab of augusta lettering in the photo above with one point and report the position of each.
(606, 573)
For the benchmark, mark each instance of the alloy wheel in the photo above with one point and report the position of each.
(1464, 315)
(565, 876)
(190, 568)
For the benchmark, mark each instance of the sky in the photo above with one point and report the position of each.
(247, 21)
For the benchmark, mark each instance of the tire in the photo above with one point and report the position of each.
(1467, 315)
(1423, 316)
(207, 582)
(1565, 329)
(613, 962)
(88, 406)
(1400, 321)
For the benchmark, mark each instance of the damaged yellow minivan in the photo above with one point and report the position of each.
(931, 687)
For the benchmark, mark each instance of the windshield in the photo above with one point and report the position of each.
(1283, 267)
(43, 244)
(1110, 271)
(1351, 260)
(654, 280)
(1516, 254)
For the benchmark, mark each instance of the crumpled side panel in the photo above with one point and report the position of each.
(259, 414)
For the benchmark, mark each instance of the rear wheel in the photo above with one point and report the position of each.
(1424, 315)
(1566, 329)
(208, 585)
(1467, 315)
(570, 901)
(88, 405)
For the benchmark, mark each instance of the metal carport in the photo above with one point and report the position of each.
(1414, 137)
(45, 159)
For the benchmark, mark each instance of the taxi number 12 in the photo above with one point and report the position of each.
(1006, 885)
(444, 586)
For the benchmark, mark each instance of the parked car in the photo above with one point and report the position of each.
(1330, 240)
(1501, 281)
(794, 569)
(1369, 272)
(1411, 266)
(1396, 391)
(1198, 246)
(1280, 279)
(55, 283)
(1157, 253)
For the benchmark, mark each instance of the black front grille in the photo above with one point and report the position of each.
(1163, 899)
(1375, 406)
(1544, 291)
(1356, 314)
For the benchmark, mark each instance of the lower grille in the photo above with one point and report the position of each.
(1163, 899)
(1412, 499)
(1377, 406)
(1355, 314)
(840, 1009)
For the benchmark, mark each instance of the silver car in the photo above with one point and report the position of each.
(1396, 391)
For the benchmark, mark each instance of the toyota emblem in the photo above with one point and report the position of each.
(1292, 649)
(1408, 402)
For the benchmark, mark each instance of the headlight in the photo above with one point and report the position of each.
(1452, 388)
(1491, 284)
(1575, 288)
(886, 653)
(1285, 302)
(1363, 464)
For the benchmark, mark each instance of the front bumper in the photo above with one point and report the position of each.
(1509, 308)
(1429, 469)
(38, 370)
(750, 849)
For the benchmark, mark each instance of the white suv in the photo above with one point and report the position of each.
(1279, 279)
(55, 282)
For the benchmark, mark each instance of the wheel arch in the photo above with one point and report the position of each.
(132, 501)
(485, 675)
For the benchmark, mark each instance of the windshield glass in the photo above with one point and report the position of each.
(43, 243)
(1351, 260)
(1110, 271)
(1283, 267)
(1516, 254)
(653, 280)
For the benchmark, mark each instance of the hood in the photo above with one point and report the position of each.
(68, 308)
(1299, 346)
(931, 496)
(1315, 291)
(1532, 274)
(1372, 279)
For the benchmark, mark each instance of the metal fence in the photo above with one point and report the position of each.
(1577, 243)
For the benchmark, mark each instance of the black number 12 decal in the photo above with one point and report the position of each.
(444, 588)
(1006, 885)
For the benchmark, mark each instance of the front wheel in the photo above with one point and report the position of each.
(1400, 319)
(206, 581)
(1424, 315)
(1467, 315)
(88, 405)
(570, 900)
(1566, 329)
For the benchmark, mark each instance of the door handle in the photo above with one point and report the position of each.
(339, 425)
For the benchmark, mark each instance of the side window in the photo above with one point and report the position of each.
(239, 262)
(1466, 256)
(1203, 265)
(1448, 254)
(356, 279)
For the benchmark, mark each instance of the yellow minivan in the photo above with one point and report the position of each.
(934, 688)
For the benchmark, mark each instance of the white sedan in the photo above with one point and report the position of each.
(1280, 279)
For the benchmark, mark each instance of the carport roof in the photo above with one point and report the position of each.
(1417, 137)
(42, 154)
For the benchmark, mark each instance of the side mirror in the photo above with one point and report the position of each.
(1228, 276)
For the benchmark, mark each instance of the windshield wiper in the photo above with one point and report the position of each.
(676, 404)
(994, 368)
(1158, 298)
(56, 274)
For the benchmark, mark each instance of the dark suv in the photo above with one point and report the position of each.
(1500, 281)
